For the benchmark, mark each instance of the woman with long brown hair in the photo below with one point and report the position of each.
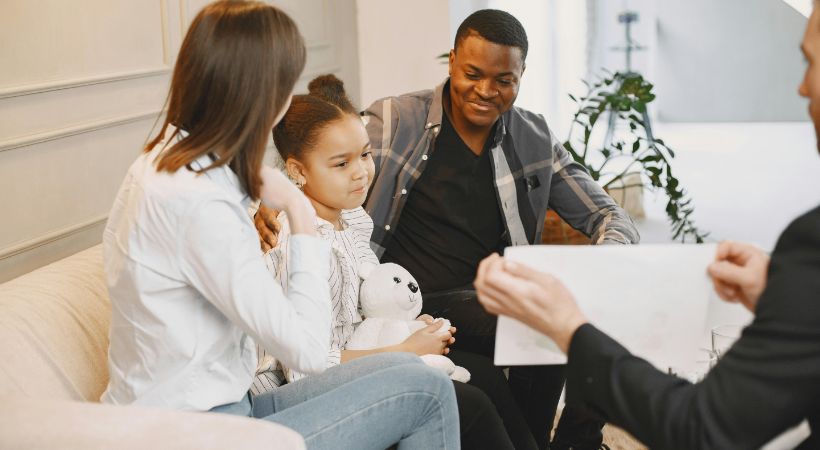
(190, 292)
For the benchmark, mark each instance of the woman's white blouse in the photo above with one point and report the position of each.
(190, 292)
(350, 250)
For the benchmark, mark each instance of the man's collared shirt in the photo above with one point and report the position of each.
(532, 172)
(451, 220)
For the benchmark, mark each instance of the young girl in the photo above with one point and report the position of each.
(189, 291)
(326, 152)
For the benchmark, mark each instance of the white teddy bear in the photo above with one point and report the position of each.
(390, 300)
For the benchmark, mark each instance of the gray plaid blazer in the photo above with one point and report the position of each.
(532, 172)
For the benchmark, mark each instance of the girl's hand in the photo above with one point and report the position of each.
(426, 318)
(429, 340)
(529, 296)
(279, 193)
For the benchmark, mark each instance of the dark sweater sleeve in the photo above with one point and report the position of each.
(767, 382)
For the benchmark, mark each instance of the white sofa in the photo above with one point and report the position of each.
(53, 368)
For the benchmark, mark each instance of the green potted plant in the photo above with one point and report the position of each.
(636, 158)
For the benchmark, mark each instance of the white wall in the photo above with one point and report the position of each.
(556, 60)
(711, 61)
(732, 60)
(398, 44)
(81, 85)
(606, 34)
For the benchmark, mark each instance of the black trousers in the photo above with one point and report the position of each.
(488, 414)
(535, 389)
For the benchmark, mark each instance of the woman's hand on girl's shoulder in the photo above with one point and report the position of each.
(278, 192)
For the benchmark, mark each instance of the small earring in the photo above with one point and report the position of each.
(296, 180)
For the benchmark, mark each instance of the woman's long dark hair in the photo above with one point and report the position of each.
(235, 71)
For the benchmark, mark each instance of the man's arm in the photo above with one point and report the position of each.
(584, 204)
(744, 402)
(766, 383)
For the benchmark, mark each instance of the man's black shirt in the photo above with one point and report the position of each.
(451, 219)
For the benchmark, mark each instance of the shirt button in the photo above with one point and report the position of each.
(589, 380)
(404, 192)
(387, 227)
(429, 124)
(424, 157)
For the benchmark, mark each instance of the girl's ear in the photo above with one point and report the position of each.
(296, 171)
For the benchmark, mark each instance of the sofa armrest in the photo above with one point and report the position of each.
(35, 424)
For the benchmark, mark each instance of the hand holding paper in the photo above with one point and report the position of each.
(739, 273)
(535, 298)
(653, 299)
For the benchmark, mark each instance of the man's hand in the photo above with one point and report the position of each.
(739, 273)
(529, 296)
(267, 226)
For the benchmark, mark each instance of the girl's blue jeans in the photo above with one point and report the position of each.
(371, 402)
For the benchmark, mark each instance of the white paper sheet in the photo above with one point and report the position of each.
(653, 299)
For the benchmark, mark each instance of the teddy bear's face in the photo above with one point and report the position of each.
(389, 291)
(408, 283)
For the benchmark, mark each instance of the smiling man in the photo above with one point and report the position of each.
(462, 173)
(767, 383)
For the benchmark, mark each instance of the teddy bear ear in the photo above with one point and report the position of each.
(365, 269)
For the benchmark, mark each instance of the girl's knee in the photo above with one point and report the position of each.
(391, 359)
(382, 361)
(424, 377)
(404, 358)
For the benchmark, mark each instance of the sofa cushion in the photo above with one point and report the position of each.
(54, 330)
(48, 424)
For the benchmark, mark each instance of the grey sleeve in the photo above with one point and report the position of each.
(584, 204)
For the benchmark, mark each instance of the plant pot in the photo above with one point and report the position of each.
(627, 193)
(558, 232)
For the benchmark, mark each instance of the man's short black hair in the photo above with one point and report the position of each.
(496, 26)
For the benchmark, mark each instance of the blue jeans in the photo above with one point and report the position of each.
(371, 402)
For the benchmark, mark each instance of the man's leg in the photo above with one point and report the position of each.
(475, 327)
(536, 389)
(489, 380)
(577, 430)
(481, 425)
